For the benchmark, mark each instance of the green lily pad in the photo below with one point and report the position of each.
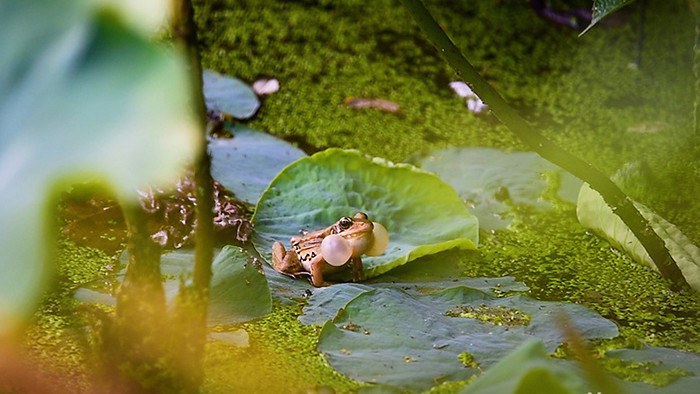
(529, 370)
(236, 162)
(392, 337)
(70, 111)
(594, 213)
(422, 214)
(229, 95)
(480, 175)
(239, 291)
(325, 303)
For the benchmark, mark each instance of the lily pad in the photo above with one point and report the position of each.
(325, 303)
(239, 290)
(594, 213)
(229, 95)
(482, 175)
(64, 88)
(412, 341)
(422, 214)
(236, 162)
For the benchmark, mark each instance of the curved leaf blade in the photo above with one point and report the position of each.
(603, 8)
(594, 213)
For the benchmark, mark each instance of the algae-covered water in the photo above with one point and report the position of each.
(584, 93)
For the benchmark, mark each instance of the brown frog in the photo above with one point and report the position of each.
(325, 251)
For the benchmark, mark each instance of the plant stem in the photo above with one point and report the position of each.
(619, 202)
(132, 350)
(695, 5)
(192, 302)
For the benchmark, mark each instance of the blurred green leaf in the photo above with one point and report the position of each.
(412, 341)
(70, 110)
(236, 162)
(422, 214)
(229, 95)
(529, 370)
(479, 175)
(594, 213)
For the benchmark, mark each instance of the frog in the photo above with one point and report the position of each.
(328, 250)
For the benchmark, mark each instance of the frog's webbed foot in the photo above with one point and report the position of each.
(358, 273)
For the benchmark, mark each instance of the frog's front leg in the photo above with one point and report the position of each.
(285, 262)
(358, 273)
(317, 265)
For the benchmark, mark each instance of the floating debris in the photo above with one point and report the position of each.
(474, 103)
(384, 105)
(266, 86)
(94, 218)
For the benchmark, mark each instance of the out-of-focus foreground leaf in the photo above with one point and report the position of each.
(71, 110)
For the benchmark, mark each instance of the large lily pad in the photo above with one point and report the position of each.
(422, 214)
(248, 162)
(69, 111)
(482, 175)
(594, 213)
(415, 341)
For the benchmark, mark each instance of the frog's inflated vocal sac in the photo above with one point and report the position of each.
(326, 250)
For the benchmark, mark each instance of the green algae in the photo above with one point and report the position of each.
(282, 357)
(55, 338)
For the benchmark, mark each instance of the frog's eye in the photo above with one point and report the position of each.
(361, 215)
(345, 223)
